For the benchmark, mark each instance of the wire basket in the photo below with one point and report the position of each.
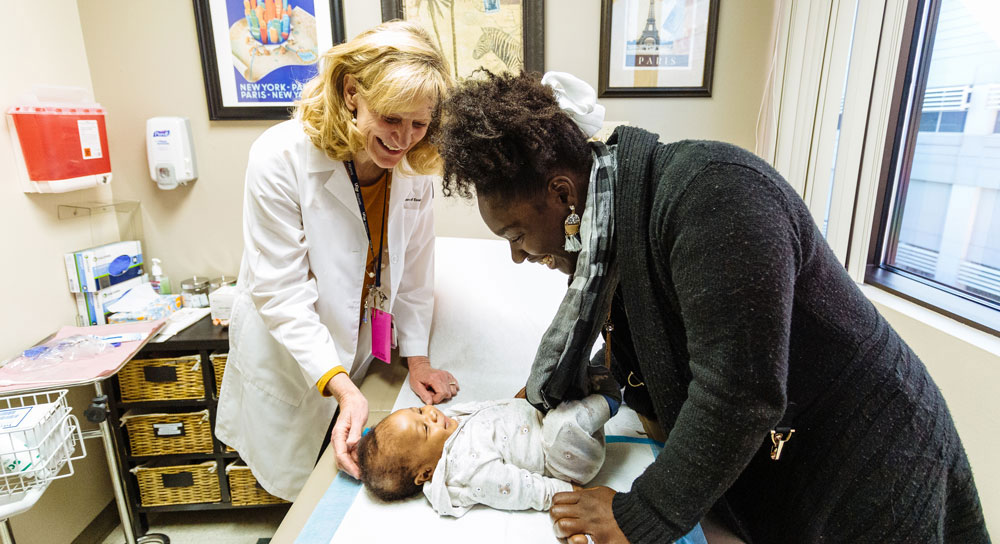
(245, 489)
(170, 378)
(218, 366)
(37, 439)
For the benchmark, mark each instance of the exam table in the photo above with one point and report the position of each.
(489, 317)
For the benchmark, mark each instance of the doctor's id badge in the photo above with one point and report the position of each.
(381, 335)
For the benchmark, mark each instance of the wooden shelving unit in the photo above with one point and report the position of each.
(202, 339)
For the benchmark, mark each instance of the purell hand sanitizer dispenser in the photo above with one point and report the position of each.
(170, 151)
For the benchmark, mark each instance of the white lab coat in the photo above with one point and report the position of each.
(296, 313)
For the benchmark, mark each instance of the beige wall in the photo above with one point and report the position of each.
(48, 33)
(193, 229)
(967, 369)
(572, 44)
(196, 229)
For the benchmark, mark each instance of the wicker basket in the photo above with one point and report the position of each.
(224, 448)
(218, 366)
(164, 434)
(171, 378)
(244, 487)
(178, 484)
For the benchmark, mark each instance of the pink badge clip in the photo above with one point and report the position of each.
(381, 335)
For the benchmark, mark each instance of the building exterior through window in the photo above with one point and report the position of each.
(947, 225)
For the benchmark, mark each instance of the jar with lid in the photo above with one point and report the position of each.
(221, 281)
(195, 292)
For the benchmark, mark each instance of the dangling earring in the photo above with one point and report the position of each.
(354, 117)
(572, 227)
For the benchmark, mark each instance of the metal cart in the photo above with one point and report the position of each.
(54, 448)
(38, 438)
(50, 447)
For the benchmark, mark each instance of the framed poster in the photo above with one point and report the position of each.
(657, 47)
(499, 35)
(256, 54)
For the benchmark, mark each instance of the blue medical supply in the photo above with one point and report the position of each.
(90, 270)
(70, 348)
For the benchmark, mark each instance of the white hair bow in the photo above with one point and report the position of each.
(577, 99)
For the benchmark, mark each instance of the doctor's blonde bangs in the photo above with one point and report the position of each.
(396, 64)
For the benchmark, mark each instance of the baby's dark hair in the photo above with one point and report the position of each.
(389, 477)
(503, 134)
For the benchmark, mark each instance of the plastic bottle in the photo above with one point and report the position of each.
(160, 282)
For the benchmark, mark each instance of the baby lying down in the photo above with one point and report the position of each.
(504, 454)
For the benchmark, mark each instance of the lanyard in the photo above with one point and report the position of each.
(364, 218)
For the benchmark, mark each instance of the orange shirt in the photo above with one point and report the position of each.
(374, 196)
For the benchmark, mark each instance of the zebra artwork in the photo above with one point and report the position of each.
(501, 44)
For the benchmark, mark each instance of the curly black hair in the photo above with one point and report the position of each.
(390, 478)
(504, 134)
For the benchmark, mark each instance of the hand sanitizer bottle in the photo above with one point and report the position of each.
(160, 282)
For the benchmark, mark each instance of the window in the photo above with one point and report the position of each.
(945, 108)
(993, 103)
(938, 238)
(952, 121)
(942, 121)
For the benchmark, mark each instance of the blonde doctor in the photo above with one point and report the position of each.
(337, 221)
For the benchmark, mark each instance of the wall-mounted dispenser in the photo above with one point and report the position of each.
(170, 151)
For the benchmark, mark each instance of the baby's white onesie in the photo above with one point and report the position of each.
(507, 455)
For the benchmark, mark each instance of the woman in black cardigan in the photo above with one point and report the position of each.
(732, 323)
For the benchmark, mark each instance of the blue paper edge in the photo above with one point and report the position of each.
(330, 511)
(339, 497)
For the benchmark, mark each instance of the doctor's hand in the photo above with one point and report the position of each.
(351, 421)
(430, 384)
(585, 512)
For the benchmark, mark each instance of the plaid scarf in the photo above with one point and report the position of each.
(560, 369)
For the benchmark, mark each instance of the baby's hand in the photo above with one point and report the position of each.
(576, 487)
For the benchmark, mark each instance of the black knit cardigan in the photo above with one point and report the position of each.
(736, 316)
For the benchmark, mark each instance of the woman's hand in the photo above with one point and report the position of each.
(347, 430)
(430, 384)
(587, 512)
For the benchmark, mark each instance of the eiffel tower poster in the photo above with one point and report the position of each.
(657, 44)
(669, 48)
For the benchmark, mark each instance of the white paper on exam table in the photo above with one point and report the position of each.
(485, 332)
(489, 317)
(415, 522)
